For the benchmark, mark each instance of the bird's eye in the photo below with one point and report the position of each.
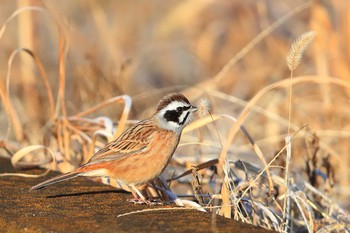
(183, 108)
(180, 109)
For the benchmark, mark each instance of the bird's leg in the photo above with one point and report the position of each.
(138, 197)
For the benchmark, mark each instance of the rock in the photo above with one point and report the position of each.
(81, 205)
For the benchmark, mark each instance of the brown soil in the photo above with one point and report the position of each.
(81, 205)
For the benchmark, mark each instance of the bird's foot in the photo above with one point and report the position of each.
(139, 198)
(140, 201)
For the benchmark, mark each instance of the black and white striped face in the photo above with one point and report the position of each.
(174, 112)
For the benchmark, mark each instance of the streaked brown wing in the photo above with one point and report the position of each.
(133, 140)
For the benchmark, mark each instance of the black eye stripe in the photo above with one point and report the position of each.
(174, 115)
(183, 108)
(184, 120)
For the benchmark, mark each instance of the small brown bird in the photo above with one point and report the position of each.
(142, 152)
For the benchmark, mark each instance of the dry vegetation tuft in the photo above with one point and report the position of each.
(75, 74)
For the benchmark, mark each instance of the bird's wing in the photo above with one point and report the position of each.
(133, 140)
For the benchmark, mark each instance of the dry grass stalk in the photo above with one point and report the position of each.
(226, 208)
(12, 114)
(16, 13)
(297, 50)
(293, 60)
(287, 202)
(20, 154)
(256, 148)
(125, 99)
(26, 39)
(218, 78)
(42, 72)
(62, 52)
(45, 79)
(197, 190)
(280, 84)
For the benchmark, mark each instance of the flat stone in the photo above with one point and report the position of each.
(81, 205)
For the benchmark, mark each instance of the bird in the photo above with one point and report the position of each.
(142, 152)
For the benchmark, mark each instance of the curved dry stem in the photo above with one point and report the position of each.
(300, 203)
(126, 99)
(275, 117)
(256, 109)
(103, 104)
(45, 79)
(42, 72)
(15, 160)
(257, 150)
(16, 13)
(62, 74)
(280, 84)
(218, 78)
(4, 95)
(122, 122)
(201, 122)
(10, 110)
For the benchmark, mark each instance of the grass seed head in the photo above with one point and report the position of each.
(203, 108)
(297, 50)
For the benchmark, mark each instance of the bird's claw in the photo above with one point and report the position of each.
(140, 201)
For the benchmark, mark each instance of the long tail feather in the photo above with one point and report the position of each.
(56, 179)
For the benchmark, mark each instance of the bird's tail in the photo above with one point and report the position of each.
(56, 179)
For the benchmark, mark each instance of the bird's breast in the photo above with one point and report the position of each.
(140, 168)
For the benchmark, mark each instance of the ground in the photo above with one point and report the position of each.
(81, 205)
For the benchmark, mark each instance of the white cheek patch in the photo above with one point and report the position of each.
(168, 125)
(173, 125)
(185, 117)
(182, 116)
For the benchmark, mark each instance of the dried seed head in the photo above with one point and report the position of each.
(203, 108)
(297, 50)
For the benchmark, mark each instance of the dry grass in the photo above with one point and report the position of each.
(267, 149)
(297, 50)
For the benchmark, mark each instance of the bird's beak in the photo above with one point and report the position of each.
(193, 109)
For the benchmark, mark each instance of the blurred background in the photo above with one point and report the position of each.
(147, 48)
